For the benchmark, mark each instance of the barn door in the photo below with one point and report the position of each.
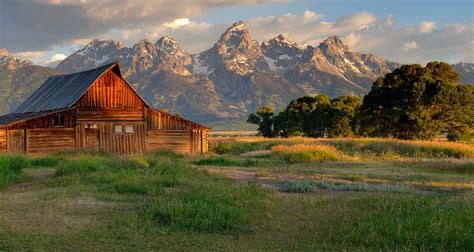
(92, 138)
(16, 141)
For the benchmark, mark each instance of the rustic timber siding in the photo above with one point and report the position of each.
(46, 121)
(3, 140)
(16, 140)
(49, 140)
(177, 140)
(110, 91)
(99, 110)
(108, 115)
(122, 143)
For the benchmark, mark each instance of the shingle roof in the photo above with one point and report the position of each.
(62, 91)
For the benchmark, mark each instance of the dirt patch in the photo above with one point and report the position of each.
(33, 177)
(256, 153)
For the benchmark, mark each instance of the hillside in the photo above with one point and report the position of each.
(19, 78)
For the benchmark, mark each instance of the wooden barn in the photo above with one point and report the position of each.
(97, 110)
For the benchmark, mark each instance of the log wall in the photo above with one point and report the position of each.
(157, 120)
(109, 115)
(46, 121)
(16, 140)
(175, 140)
(49, 140)
(3, 140)
(110, 91)
(106, 139)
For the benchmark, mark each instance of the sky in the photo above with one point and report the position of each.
(404, 31)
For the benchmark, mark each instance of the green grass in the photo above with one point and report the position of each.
(177, 195)
(226, 161)
(169, 201)
(11, 167)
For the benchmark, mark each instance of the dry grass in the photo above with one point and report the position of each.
(303, 153)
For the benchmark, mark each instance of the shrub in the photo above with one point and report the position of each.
(302, 153)
(10, 168)
(299, 186)
(48, 161)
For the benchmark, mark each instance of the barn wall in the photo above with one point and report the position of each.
(49, 140)
(16, 140)
(122, 143)
(110, 91)
(105, 138)
(110, 115)
(3, 140)
(162, 121)
(175, 140)
(47, 121)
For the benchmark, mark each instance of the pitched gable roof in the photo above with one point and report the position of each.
(63, 91)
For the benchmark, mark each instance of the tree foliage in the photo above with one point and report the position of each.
(415, 102)
(412, 102)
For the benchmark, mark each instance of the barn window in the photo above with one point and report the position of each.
(59, 120)
(92, 126)
(129, 129)
(118, 129)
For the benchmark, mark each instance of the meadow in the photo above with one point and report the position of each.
(248, 193)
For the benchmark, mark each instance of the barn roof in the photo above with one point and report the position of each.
(63, 91)
(17, 117)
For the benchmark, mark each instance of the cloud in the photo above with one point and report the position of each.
(50, 23)
(30, 55)
(426, 27)
(180, 22)
(54, 60)
(408, 46)
(54, 22)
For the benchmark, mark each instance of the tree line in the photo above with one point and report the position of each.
(412, 102)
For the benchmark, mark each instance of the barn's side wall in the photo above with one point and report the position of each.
(165, 131)
(49, 140)
(3, 140)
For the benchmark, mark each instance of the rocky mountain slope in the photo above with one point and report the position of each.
(228, 81)
(236, 75)
(18, 79)
(466, 71)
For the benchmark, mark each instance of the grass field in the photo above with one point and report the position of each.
(247, 194)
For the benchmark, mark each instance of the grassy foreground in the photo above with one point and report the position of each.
(296, 194)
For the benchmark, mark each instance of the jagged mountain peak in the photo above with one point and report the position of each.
(4, 53)
(333, 44)
(166, 40)
(238, 26)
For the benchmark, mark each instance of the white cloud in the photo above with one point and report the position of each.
(408, 46)
(54, 60)
(426, 27)
(177, 23)
(30, 55)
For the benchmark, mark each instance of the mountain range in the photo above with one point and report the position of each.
(228, 81)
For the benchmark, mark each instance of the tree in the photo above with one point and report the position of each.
(340, 114)
(412, 102)
(301, 115)
(281, 125)
(264, 119)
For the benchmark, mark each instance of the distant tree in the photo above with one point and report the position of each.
(340, 116)
(412, 102)
(302, 118)
(264, 119)
(281, 124)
